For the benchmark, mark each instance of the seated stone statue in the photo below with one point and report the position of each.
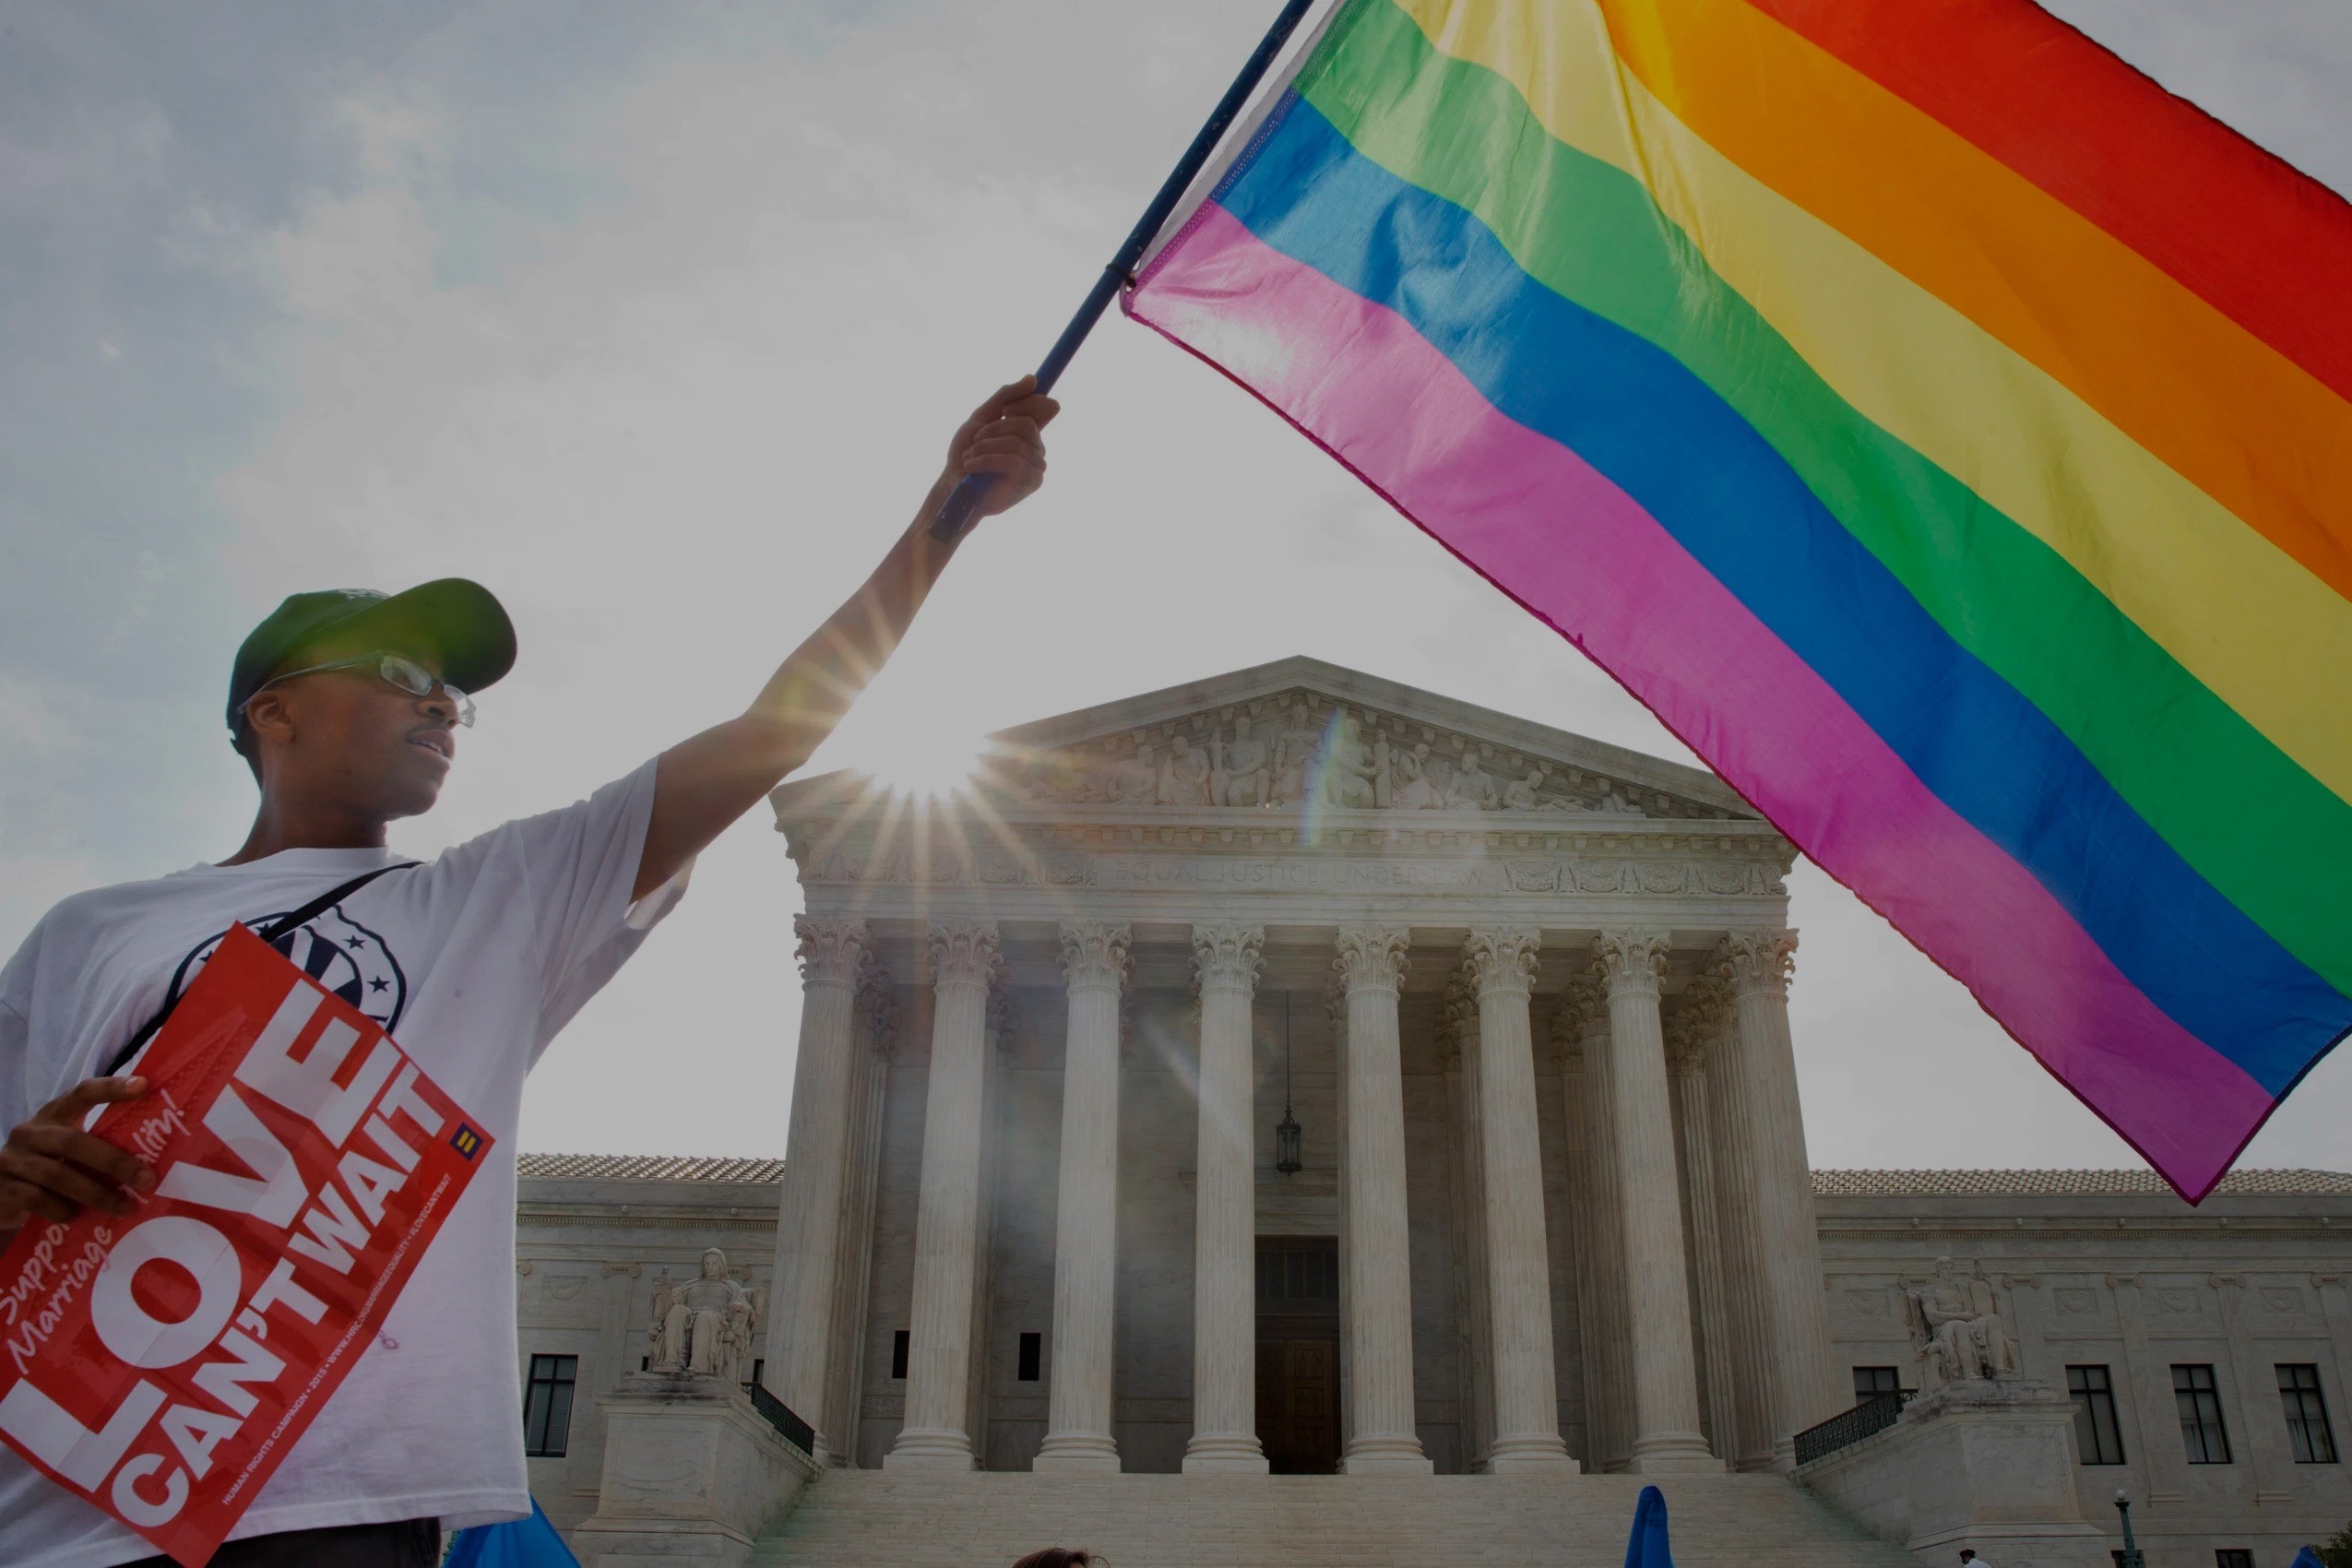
(1131, 780)
(1473, 787)
(703, 1327)
(1955, 1323)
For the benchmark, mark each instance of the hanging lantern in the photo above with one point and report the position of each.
(1286, 1132)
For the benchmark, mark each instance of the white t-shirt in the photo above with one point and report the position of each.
(472, 962)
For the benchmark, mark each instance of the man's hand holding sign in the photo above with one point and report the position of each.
(162, 1358)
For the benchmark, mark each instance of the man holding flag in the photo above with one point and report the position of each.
(346, 704)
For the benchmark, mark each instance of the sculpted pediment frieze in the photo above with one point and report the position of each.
(1303, 747)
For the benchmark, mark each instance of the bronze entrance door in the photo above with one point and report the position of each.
(1299, 1353)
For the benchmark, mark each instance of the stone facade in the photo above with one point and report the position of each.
(1522, 998)
(593, 1233)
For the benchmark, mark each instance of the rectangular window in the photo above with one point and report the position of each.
(2098, 1438)
(2232, 1557)
(1032, 1355)
(2201, 1429)
(2307, 1428)
(1871, 1383)
(898, 1354)
(547, 1406)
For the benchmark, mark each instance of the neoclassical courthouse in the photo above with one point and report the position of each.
(1297, 1118)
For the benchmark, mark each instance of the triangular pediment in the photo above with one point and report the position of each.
(1299, 730)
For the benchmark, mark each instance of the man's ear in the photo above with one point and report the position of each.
(271, 718)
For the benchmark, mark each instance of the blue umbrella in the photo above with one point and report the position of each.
(1647, 1547)
(2307, 1557)
(518, 1543)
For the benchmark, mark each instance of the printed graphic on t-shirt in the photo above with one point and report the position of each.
(342, 955)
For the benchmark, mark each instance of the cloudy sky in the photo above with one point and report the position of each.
(655, 317)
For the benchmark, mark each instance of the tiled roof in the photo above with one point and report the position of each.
(2066, 1184)
(647, 1168)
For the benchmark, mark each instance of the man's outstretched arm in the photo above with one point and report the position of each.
(706, 783)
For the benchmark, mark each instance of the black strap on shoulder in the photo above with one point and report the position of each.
(291, 922)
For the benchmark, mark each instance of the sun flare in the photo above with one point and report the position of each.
(924, 762)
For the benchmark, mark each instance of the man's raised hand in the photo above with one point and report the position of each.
(50, 1167)
(1005, 437)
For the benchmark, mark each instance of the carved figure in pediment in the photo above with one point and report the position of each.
(1520, 794)
(1184, 778)
(1473, 787)
(1348, 768)
(1414, 790)
(1130, 780)
(1955, 1323)
(1239, 774)
(1294, 755)
(1612, 800)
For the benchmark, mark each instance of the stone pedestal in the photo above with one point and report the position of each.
(693, 1474)
(1983, 1465)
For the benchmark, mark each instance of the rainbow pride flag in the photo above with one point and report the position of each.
(1941, 427)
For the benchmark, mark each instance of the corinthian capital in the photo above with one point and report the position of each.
(1583, 1009)
(832, 950)
(1757, 961)
(1004, 1014)
(1501, 960)
(1372, 957)
(1226, 955)
(875, 1002)
(1632, 962)
(1687, 1032)
(1093, 954)
(1458, 1016)
(965, 954)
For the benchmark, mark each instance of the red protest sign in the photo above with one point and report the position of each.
(162, 1364)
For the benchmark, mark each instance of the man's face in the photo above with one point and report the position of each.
(351, 737)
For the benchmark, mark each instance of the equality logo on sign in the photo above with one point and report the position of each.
(163, 1363)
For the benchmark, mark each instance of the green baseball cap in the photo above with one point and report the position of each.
(459, 626)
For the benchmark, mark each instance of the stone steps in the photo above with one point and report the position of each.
(988, 1520)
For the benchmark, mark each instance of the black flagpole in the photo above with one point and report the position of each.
(956, 512)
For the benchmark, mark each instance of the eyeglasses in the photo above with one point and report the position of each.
(396, 670)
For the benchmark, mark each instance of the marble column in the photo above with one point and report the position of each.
(1457, 1045)
(937, 1434)
(833, 955)
(1583, 1178)
(1696, 1023)
(1225, 1349)
(1370, 965)
(1666, 1383)
(1501, 965)
(876, 1033)
(1796, 1320)
(1742, 1260)
(1593, 1130)
(1085, 1236)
